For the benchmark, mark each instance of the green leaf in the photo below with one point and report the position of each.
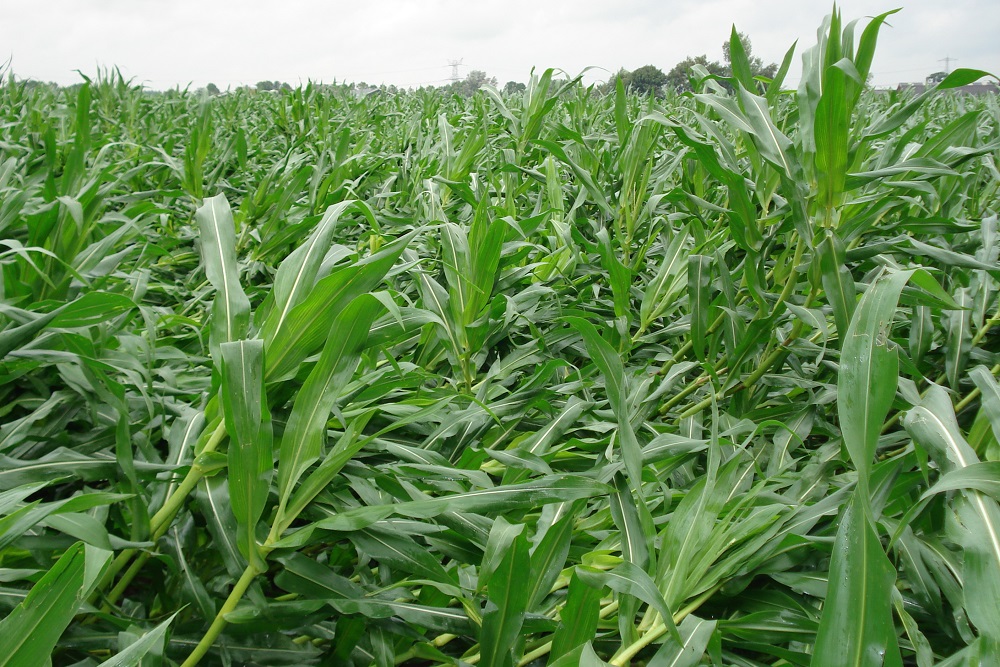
(347, 446)
(981, 476)
(581, 656)
(627, 578)
(506, 604)
(133, 654)
(774, 146)
(616, 384)
(436, 619)
(92, 308)
(990, 390)
(958, 341)
(660, 292)
(501, 537)
(549, 556)
(934, 427)
(248, 423)
(856, 628)
(539, 442)
(838, 284)
(231, 308)
(617, 274)
(695, 635)
(307, 327)
(455, 259)
(401, 552)
(699, 301)
(739, 62)
(29, 633)
(304, 436)
(635, 542)
(578, 618)
(296, 275)
(869, 371)
(501, 499)
(486, 240)
(963, 77)
(921, 333)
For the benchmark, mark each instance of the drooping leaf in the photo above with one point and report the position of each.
(303, 438)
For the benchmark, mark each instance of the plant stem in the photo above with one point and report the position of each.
(545, 648)
(660, 629)
(974, 394)
(159, 523)
(124, 582)
(173, 504)
(220, 622)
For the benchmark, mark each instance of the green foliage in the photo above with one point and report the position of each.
(738, 61)
(645, 80)
(680, 75)
(533, 377)
(473, 81)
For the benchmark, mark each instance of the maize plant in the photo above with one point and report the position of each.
(553, 378)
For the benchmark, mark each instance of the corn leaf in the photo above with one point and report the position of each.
(231, 308)
(303, 439)
(856, 627)
(248, 423)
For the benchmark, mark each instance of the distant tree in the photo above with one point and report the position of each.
(608, 86)
(472, 82)
(513, 87)
(646, 79)
(212, 89)
(757, 66)
(679, 77)
(475, 80)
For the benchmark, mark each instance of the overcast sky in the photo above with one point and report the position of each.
(409, 43)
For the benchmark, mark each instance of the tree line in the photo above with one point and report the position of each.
(651, 79)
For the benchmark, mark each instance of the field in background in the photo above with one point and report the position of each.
(556, 378)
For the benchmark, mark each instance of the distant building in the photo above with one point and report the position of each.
(937, 77)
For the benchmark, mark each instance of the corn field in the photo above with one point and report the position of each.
(557, 378)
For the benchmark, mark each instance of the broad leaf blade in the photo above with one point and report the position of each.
(869, 371)
(695, 634)
(30, 632)
(248, 423)
(578, 618)
(856, 628)
(231, 309)
(135, 652)
(506, 604)
(303, 439)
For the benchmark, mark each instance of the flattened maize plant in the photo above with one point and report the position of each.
(547, 378)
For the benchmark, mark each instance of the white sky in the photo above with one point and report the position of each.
(164, 43)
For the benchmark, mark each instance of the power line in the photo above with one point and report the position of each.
(947, 63)
(400, 71)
